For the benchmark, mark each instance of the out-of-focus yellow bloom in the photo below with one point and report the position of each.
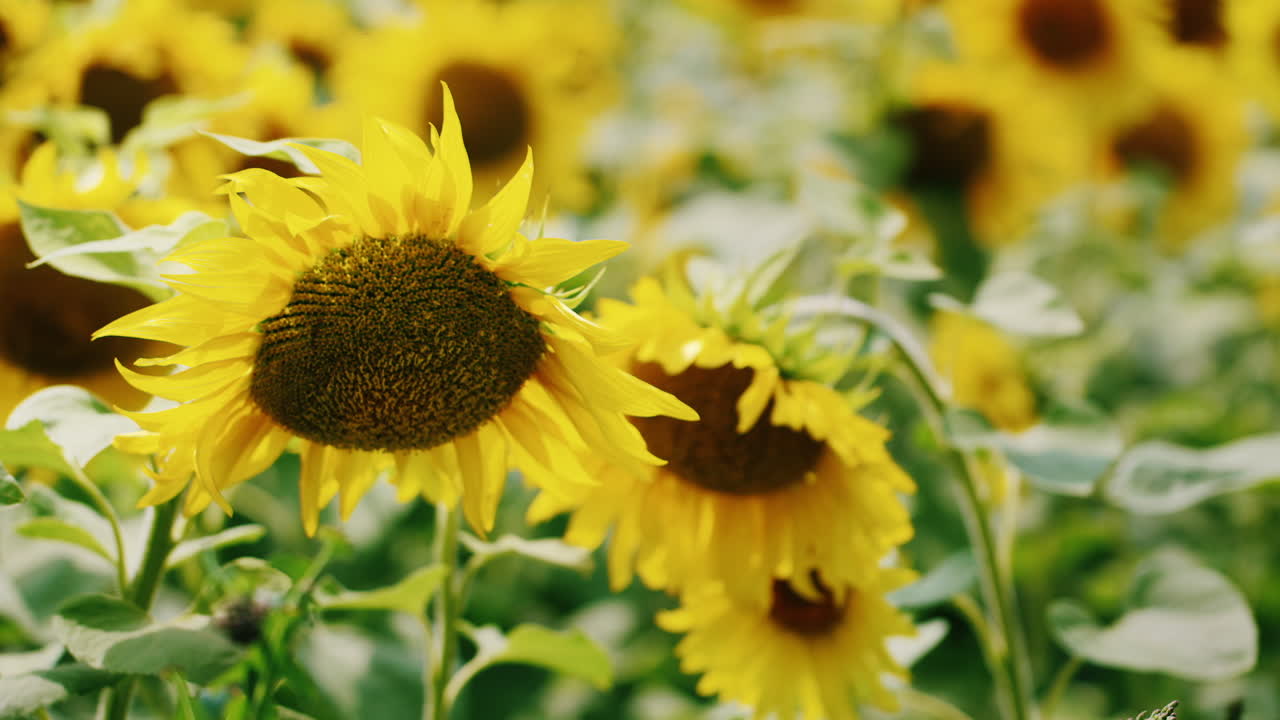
(811, 654)
(1200, 24)
(381, 323)
(1255, 49)
(839, 10)
(984, 369)
(523, 74)
(780, 475)
(313, 32)
(23, 23)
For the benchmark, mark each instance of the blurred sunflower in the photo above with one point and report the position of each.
(313, 32)
(23, 24)
(812, 654)
(1076, 50)
(780, 475)
(984, 369)
(1199, 23)
(971, 130)
(506, 101)
(168, 52)
(1193, 134)
(841, 10)
(46, 317)
(374, 318)
(1255, 45)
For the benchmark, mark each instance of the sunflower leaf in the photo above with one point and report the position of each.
(409, 595)
(1183, 620)
(547, 550)
(283, 149)
(74, 422)
(1157, 478)
(23, 695)
(52, 528)
(569, 653)
(1021, 304)
(10, 491)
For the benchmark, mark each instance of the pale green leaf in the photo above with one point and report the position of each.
(25, 662)
(547, 550)
(1022, 304)
(1156, 477)
(151, 242)
(569, 653)
(23, 695)
(907, 651)
(409, 595)
(29, 446)
(52, 528)
(167, 120)
(10, 491)
(50, 231)
(1183, 619)
(76, 421)
(238, 535)
(282, 149)
(950, 577)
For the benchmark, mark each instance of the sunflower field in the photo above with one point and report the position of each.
(640, 359)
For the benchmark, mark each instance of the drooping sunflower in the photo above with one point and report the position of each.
(506, 101)
(984, 369)
(971, 130)
(1255, 49)
(46, 317)
(1076, 50)
(370, 315)
(812, 653)
(1192, 132)
(779, 476)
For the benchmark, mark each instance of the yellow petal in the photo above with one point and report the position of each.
(551, 261)
(493, 226)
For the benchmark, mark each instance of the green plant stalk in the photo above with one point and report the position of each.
(447, 610)
(109, 512)
(1010, 665)
(143, 591)
(1061, 681)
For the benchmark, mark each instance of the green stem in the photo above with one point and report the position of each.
(1061, 682)
(447, 610)
(109, 512)
(143, 591)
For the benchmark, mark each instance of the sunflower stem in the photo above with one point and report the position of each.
(1010, 667)
(447, 608)
(109, 512)
(142, 591)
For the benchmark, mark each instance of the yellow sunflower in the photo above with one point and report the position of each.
(755, 10)
(984, 369)
(23, 24)
(372, 317)
(1192, 132)
(1255, 49)
(1076, 50)
(312, 31)
(807, 654)
(779, 476)
(46, 317)
(483, 51)
(971, 129)
(1200, 23)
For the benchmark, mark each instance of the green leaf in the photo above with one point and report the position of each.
(951, 577)
(1156, 478)
(28, 446)
(1183, 620)
(1022, 304)
(23, 695)
(1066, 454)
(409, 595)
(167, 120)
(78, 423)
(52, 528)
(908, 650)
(548, 550)
(568, 653)
(25, 662)
(51, 231)
(238, 535)
(10, 491)
(282, 149)
(108, 633)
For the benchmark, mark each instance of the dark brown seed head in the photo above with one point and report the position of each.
(1165, 140)
(122, 95)
(1065, 34)
(492, 108)
(950, 145)
(802, 615)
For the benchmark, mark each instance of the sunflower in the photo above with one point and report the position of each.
(23, 24)
(1254, 28)
(779, 476)
(812, 653)
(313, 32)
(1192, 133)
(373, 318)
(483, 50)
(757, 10)
(1075, 50)
(46, 317)
(1199, 23)
(973, 131)
(170, 50)
(984, 369)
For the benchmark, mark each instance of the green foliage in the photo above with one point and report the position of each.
(24, 694)
(76, 424)
(1157, 478)
(410, 595)
(1182, 619)
(10, 491)
(284, 149)
(570, 653)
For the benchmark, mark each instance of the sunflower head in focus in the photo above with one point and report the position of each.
(812, 652)
(373, 317)
(47, 318)
(780, 475)
(985, 370)
(522, 74)
(971, 131)
(1074, 50)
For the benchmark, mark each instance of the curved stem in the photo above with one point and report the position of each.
(109, 512)
(447, 610)
(1061, 681)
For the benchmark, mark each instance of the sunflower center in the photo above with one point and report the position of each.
(47, 318)
(1067, 34)
(315, 57)
(1199, 22)
(950, 146)
(1165, 141)
(712, 453)
(394, 344)
(122, 95)
(490, 105)
(802, 615)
